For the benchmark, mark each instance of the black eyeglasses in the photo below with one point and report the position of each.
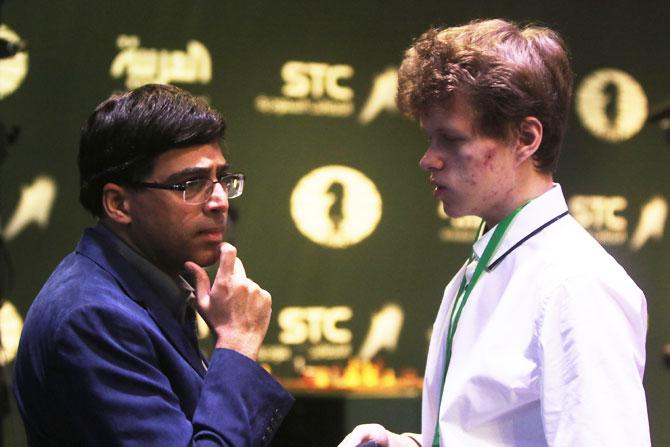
(199, 191)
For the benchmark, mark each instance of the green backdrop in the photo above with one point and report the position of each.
(331, 107)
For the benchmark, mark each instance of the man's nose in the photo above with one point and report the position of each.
(431, 161)
(218, 201)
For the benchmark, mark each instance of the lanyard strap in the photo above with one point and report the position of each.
(462, 297)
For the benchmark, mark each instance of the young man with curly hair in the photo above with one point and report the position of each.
(540, 337)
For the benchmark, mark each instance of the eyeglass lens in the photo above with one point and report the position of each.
(199, 191)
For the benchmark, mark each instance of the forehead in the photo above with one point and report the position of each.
(456, 115)
(203, 156)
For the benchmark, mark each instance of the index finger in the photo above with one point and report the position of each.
(238, 269)
(227, 257)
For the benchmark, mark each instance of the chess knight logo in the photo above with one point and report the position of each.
(13, 70)
(611, 105)
(336, 206)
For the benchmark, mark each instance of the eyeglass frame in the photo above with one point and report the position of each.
(182, 186)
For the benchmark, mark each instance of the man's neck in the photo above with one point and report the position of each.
(533, 186)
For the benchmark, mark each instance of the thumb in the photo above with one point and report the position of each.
(202, 284)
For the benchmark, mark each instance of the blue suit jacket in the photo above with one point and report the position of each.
(102, 362)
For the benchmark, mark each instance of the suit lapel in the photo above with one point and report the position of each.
(96, 246)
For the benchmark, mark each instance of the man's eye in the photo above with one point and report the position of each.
(448, 141)
(195, 180)
(195, 183)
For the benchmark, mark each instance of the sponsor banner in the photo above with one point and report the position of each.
(602, 216)
(142, 66)
(311, 88)
(321, 89)
(313, 334)
(13, 70)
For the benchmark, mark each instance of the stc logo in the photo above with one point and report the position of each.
(320, 89)
(315, 333)
(314, 324)
(310, 333)
(600, 216)
(316, 80)
(311, 88)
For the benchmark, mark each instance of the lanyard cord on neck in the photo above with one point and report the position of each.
(462, 297)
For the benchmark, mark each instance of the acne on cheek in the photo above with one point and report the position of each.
(471, 180)
(466, 174)
(488, 159)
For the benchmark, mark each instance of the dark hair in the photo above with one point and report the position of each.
(506, 72)
(123, 136)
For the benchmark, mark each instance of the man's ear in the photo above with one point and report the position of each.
(115, 203)
(529, 138)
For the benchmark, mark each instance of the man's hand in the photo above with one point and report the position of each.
(377, 434)
(366, 433)
(236, 309)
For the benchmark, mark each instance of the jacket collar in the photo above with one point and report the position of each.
(101, 246)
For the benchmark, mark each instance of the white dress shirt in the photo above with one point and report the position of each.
(549, 349)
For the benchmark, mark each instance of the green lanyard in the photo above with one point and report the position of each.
(462, 297)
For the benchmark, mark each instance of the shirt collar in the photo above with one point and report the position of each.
(535, 214)
(173, 294)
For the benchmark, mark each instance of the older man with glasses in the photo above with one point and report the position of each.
(109, 354)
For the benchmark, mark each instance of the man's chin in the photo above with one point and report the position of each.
(451, 211)
(207, 261)
(455, 212)
(206, 258)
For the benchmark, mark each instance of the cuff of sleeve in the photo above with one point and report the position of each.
(240, 401)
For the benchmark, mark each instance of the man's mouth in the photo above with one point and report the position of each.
(214, 234)
(437, 187)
